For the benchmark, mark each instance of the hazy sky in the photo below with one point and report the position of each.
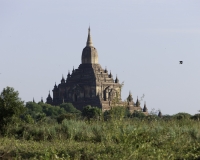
(142, 41)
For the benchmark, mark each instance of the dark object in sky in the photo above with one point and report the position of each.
(181, 62)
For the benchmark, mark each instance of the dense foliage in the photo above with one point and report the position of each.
(39, 111)
(91, 112)
(11, 106)
(113, 139)
(62, 132)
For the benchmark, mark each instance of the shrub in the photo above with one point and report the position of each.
(40, 110)
(69, 108)
(196, 117)
(91, 112)
(138, 114)
(11, 106)
(67, 116)
(181, 116)
(118, 112)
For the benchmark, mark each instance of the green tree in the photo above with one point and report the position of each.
(28, 119)
(91, 112)
(52, 111)
(118, 112)
(69, 108)
(40, 111)
(182, 115)
(33, 109)
(67, 116)
(11, 106)
(196, 117)
(138, 114)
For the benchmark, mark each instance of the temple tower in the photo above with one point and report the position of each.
(89, 84)
(89, 54)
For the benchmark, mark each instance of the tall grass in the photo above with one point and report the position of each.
(113, 139)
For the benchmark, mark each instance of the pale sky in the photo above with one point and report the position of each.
(142, 41)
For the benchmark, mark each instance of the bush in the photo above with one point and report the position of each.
(69, 108)
(118, 112)
(67, 116)
(181, 116)
(28, 119)
(91, 112)
(196, 117)
(138, 114)
(11, 106)
(40, 110)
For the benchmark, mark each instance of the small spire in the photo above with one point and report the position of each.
(137, 102)
(55, 86)
(145, 108)
(105, 70)
(116, 80)
(73, 70)
(110, 75)
(49, 96)
(49, 99)
(33, 100)
(68, 75)
(63, 79)
(89, 39)
(130, 98)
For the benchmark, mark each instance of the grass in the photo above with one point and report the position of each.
(113, 139)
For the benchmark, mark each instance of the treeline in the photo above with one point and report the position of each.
(41, 131)
(13, 110)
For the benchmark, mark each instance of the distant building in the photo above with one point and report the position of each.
(90, 84)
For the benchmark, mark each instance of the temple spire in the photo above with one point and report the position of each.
(116, 80)
(63, 79)
(110, 75)
(137, 102)
(130, 98)
(145, 108)
(89, 39)
(68, 75)
(105, 70)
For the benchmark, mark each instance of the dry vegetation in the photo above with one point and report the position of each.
(130, 138)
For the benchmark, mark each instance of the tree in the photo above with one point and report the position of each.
(182, 115)
(118, 112)
(138, 114)
(67, 116)
(69, 108)
(91, 112)
(11, 106)
(196, 117)
(40, 110)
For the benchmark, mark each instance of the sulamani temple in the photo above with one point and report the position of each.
(90, 84)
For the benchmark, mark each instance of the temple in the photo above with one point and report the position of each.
(90, 84)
